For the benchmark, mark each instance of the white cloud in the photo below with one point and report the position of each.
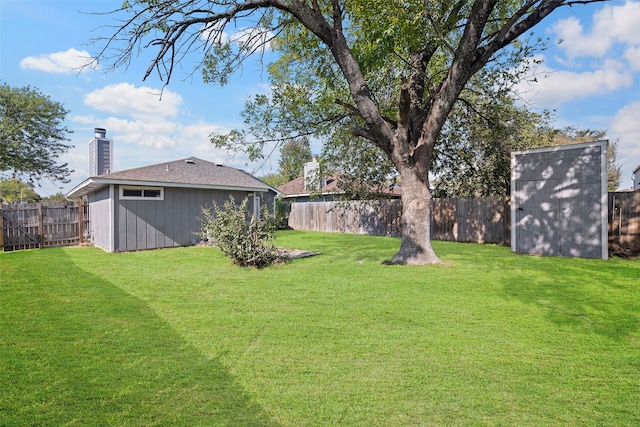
(576, 43)
(67, 62)
(626, 126)
(553, 87)
(142, 103)
(632, 55)
(158, 134)
(254, 38)
(611, 25)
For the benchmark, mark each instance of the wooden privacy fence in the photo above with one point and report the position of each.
(40, 225)
(624, 223)
(460, 220)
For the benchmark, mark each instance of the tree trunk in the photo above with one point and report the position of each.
(415, 248)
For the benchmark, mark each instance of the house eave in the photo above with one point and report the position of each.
(96, 183)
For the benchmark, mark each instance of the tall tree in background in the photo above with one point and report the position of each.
(293, 155)
(15, 191)
(32, 134)
(473, 158)
(397, 68)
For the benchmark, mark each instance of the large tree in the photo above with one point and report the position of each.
(32, 134)
(419, 54)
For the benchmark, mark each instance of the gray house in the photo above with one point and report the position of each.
(159, 206)
(559, 201)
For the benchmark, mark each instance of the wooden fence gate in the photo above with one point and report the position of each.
(40, 225)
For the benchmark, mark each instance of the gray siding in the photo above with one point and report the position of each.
(559, 201)
(100, 219)
(174, 221)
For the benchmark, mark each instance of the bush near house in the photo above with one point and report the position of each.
(246, 239)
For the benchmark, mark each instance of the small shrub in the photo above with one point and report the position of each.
(244, 238)
(282, 210)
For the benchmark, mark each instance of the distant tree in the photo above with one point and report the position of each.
(273, 179)
(32, 134)
(293, 155)
(58, 197)
(473, 158)
(15, 191)
(475, 155)
(614, 169)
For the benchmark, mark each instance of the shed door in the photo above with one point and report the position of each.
(537, 218)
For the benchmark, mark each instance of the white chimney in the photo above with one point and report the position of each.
(314, 180)
(100, 153)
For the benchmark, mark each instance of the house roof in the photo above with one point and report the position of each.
(295, 188)
(187, 173)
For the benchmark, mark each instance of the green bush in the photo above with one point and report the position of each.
(241, 236)
(282, 210)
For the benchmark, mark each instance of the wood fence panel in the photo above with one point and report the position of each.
(459, 220)
(624, 223)
(39, 225)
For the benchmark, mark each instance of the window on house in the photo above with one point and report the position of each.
(141, 193)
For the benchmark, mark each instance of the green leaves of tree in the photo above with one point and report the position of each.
(32, 134)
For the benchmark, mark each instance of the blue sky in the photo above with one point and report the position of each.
(591, 79)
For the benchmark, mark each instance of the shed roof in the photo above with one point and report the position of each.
(191, 172)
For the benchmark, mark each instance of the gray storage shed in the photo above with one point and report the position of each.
(559, 201)
(159, 206)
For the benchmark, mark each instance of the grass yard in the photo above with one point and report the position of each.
(183, 337)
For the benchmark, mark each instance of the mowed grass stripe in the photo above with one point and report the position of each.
(490, 338)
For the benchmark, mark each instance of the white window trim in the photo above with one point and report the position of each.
(135, 187)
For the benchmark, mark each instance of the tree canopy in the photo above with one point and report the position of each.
(15, 191)
(32, 134)
(393, 70)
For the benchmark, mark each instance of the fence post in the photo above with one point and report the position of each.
(80, 205)
(40, 227)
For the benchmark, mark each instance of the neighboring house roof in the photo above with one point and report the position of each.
(636, 169)
(295, 188)
(188, 173)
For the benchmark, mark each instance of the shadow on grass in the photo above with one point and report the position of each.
(75, 349)
(595, 299)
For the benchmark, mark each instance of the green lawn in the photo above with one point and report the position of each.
(183, 337)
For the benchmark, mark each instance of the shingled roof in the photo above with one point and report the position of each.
(189, 173)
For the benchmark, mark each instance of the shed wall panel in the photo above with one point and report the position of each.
(100, 218)
(559, 201)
